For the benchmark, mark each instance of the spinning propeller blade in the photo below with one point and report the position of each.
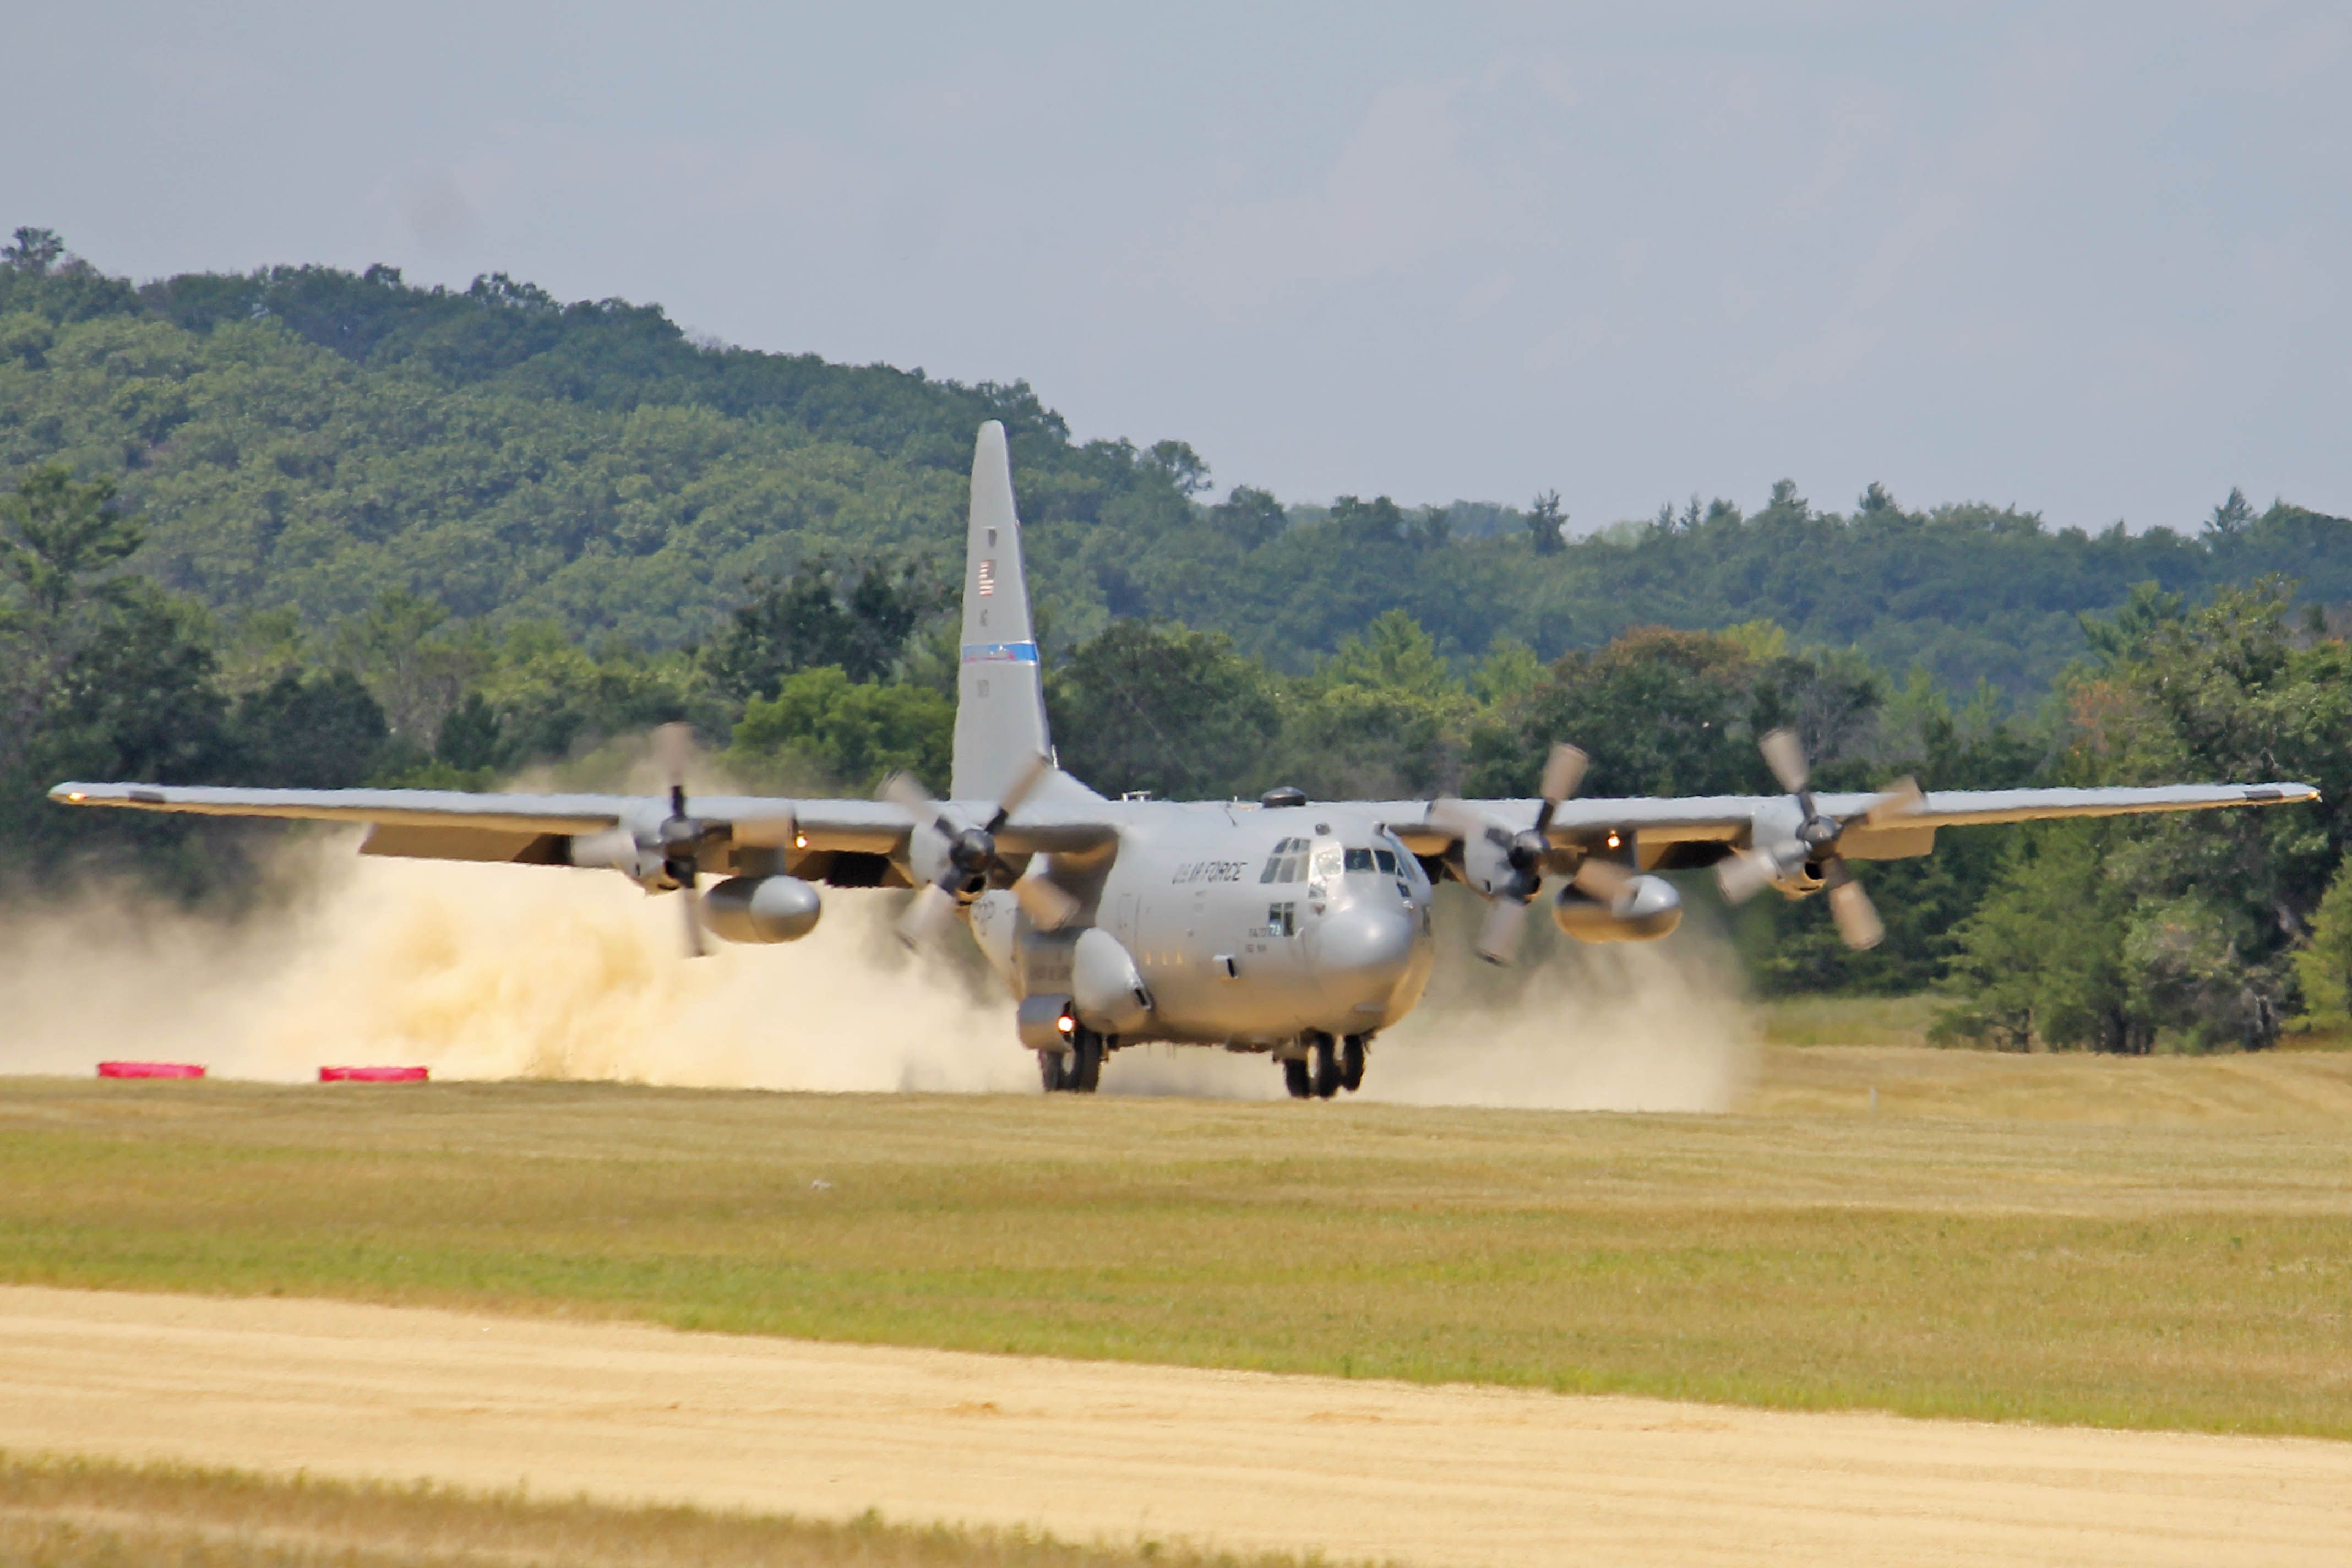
(1603, 879)
(1857, 921)
(928, 916)
(1499, 933)
(1785, 755)
(681, 834)
(1049, 907)
(1743, 874)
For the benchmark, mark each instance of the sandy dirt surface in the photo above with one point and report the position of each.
(1448, 1475)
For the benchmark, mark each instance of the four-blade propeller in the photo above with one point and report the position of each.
(1508, 866)
(970, 861)
(1815, 841)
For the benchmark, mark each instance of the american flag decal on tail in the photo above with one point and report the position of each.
(987, 579)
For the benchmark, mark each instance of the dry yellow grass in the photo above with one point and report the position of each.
(2150, 1243)
(2273, 1090)
(86, 1513)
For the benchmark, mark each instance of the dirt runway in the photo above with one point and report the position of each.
(1447, 1475)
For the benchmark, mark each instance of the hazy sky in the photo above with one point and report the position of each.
(2089, 260)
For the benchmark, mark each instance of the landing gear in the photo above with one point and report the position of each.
(1086, 1061)
(1077, 1071)
(1328, 1067)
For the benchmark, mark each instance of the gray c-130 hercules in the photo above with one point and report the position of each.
(1294, 928)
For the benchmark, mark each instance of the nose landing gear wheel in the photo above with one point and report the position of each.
(1352, 1063)
(1050, 1071)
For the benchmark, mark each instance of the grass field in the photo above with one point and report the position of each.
(2170, 1245)
(82, 1513)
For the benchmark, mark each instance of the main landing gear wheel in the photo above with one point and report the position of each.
(1086, 1061)
(1077, 1071)
(1327, 1067)
(1296, 1077)
(1352, 1063)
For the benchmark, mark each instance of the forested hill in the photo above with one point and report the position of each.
(311, 439)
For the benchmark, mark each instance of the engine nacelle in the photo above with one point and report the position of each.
(762, 908)
(1107, 989)
(1647, 910)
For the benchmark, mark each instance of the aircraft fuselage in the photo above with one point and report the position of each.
(1250, 927)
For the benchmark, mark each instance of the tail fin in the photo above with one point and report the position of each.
(999, 701)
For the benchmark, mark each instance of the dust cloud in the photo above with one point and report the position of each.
(493, 972)
(1659, 1025)
(488, 971)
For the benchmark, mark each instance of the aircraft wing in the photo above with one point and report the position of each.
(461, 825)
(1730, 819)
(456, 825)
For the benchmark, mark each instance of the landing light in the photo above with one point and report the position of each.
(1612, 841)
(800, 840)
(1066, 1024)
(76, 796)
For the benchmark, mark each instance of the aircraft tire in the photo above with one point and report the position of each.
(1352, 1063)
(1086, 1062)
(1327, 1067)
(1295, 1078)
(1050, 1071)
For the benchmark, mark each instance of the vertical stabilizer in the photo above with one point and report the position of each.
(1000, 702)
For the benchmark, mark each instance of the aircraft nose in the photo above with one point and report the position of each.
(1362, 952)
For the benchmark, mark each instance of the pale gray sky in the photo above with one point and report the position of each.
(2089, 260)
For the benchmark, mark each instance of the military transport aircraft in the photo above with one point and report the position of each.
(1295, 928)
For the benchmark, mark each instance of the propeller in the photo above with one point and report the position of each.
(681, 834)
(970, 861)
(1513, 871)
(1747, 872)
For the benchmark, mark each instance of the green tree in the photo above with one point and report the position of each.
(821, 725)
(857, 618)
(2324, 966)
(33, 250)
(1177, 712)
(318, 732)
(1545, 520)
(62, 547)
(2041, 960)
(1661, 712)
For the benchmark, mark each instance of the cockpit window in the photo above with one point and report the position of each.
(1359, 859)
(1287, 863)
(1327, 861)
(1387, 857)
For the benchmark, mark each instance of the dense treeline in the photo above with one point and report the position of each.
(310, 439)
(306, 528)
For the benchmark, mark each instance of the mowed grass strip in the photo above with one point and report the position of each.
(87, 1513)
(2157, 1276)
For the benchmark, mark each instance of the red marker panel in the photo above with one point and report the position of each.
(150, 1070)
(373, 1074)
